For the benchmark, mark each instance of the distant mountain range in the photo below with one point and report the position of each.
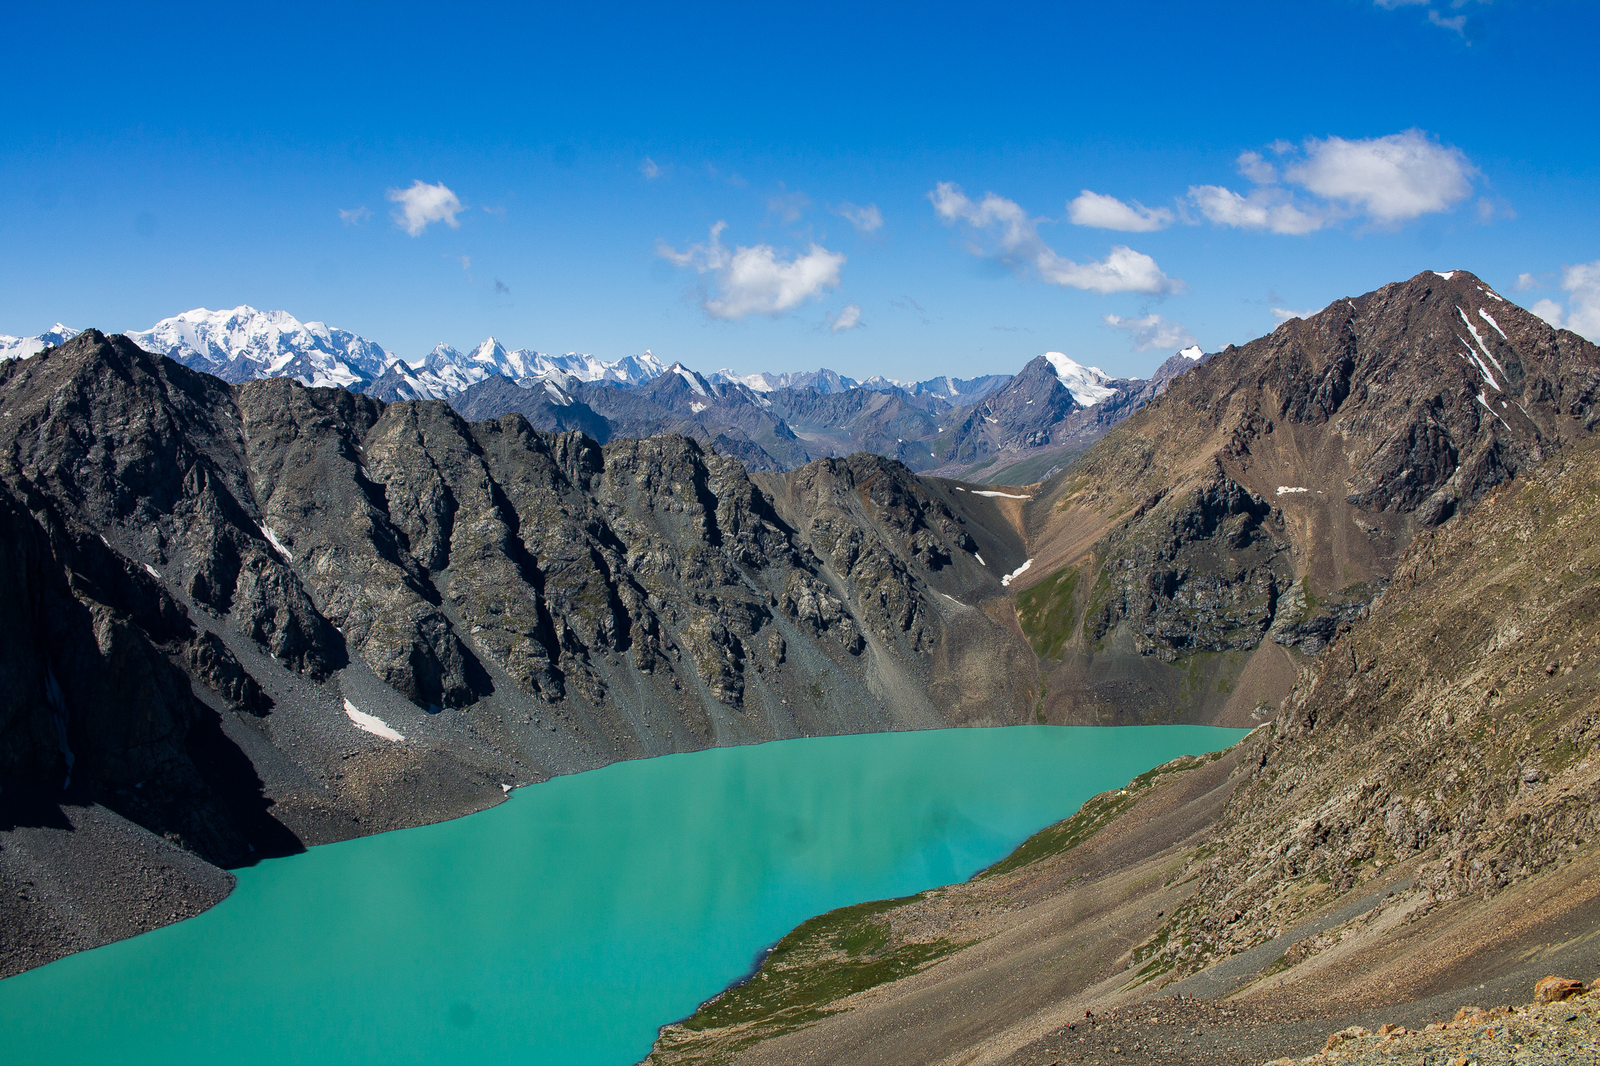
(992, 426)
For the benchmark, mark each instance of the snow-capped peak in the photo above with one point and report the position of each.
(1086, 383)
(24, 347)
(695, 381)
(243, 343)
(1192, 352)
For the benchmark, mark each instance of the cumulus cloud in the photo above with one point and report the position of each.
(1583, 311)
(649, 169)
(423, 204)
(754, 280)
(355, 216)
(848, 318)
(866, 219)
(1017, 241)
(1264, 209)
(1108, 212)
(1551, 312)
(1385, 180)
(1390, 179)
(1284, 314)
(1253, 166)
(1581, 314)
(1153, 331)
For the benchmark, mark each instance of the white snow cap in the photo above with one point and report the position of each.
(1086, 383)
(691, 377)
(24, 347)
(1192, 352)
(261, 344)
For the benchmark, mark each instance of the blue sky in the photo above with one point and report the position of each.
(891, 189)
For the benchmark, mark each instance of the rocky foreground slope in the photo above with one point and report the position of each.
(245, 618)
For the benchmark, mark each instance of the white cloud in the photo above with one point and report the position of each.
(423, 204)
(649, 169)
(1257, 169)
(1386, 180)
(1551, 312)
(1017, 236)
(865, 219)
(1108, 212)
(1392, 4)
(1263, 209)
(848, 318)
(1583, 312)
(754, 281)
(355, 216)
(1153, 331)
(1390, 179)
(1283, 314)
(1527, 281)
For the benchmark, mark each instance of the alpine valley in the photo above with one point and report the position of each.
(266, 585)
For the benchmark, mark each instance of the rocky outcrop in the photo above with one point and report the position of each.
(203, 580)
(1259, 504)
(1451, 734)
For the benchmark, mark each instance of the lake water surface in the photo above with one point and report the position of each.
(566, 925)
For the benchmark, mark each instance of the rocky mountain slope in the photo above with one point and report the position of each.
(248, 617)
(1411, 830)
(1413, 836)
(1187, 565)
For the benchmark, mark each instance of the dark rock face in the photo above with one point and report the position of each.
(1269, 492)
(202, 581)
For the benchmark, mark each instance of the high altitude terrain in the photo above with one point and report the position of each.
(1413, 828)
(257, 615)
(248, 617)
(992, 427)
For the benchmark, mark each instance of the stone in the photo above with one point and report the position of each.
(1555, 989)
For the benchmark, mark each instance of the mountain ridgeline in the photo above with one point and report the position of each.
(249, 617)
(1372, 534)
(1185, 568)
(768, 421)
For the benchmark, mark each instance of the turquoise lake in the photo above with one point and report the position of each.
(566, 925)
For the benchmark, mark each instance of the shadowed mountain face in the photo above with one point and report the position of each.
(224, 602)
(1187, 564)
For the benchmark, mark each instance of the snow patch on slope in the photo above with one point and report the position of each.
(1018, 572)
(370, 723)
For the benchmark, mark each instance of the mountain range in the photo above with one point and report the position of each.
(770, 421)
(248, 616)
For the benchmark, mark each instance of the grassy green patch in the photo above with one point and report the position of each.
(832, 956)
(1046, 612)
